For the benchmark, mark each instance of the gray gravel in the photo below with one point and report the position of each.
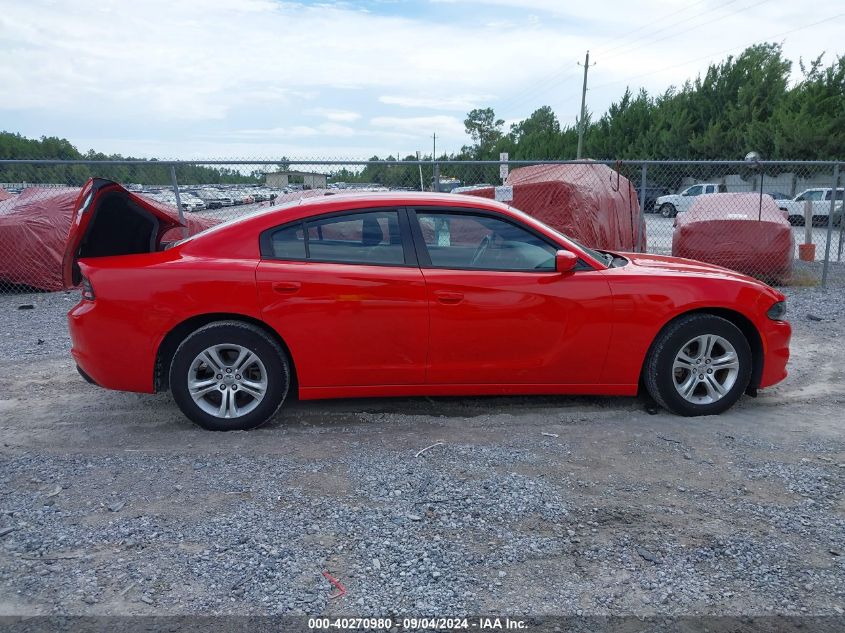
(112, 503)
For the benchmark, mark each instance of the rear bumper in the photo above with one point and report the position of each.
(87, 378)
(108, 351)
(776, 352)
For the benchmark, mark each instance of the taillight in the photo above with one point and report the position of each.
(87, 289)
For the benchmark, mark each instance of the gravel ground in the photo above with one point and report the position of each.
(112, 503)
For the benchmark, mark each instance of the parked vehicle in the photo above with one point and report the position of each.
(191, 202)
(213, 198)
(819, 199)
(401, 294)
(740, 231)
(651, 196)
(671, 205)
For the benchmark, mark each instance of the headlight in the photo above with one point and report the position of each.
(777, 312)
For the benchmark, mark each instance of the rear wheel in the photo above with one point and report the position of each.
(796, 220)
(668, 210)
(229, 376)
(699, 365)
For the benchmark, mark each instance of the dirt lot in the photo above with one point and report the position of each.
(112, 503)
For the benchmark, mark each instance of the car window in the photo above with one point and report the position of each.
(289, 242)
(815, 194)
(829, 194)
(370, 237)
(693, 191)
(465, 240)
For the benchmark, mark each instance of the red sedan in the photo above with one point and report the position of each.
(401, 294)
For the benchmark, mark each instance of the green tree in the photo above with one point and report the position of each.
(484, 129)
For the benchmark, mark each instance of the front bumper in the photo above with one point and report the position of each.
(776, 339)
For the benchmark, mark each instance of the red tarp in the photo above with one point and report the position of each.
(589, 202)
(724, 229)
(5, 195)
(34, 230)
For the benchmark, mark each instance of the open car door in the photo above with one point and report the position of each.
(109, 220)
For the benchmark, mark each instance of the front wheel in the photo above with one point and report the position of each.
(796, 220)
(229, 376)
(668, 210)
(699, 364)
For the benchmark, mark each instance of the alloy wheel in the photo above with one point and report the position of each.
(705, 369)
(227, 380)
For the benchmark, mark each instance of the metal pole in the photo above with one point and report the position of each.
(178, 200)
(436, 179)
(643, 174)
(422, 186)
(760, 209)
(830, 224)
(583, 107)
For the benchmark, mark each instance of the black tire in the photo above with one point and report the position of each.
(796, 220)
(668, 210)
(273, 359)
(660, 374)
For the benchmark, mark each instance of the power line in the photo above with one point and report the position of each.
(661, 30)
(545, 82)
(692, 28)
(722, 52)
(653, 22)
(556, 78)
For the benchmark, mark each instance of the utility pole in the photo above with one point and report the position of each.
(434, 146)
(581, 126)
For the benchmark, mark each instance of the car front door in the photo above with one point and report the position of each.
(500, 313)
(688, 197)
(348, 298)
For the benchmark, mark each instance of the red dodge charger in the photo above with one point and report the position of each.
(401, 294)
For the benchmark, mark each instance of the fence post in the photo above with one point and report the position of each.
(178, 200)
(643, 174)
(435, 181)
(830, 224)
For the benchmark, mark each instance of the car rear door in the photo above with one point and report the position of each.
(109, 220)
(499, 311)
(347, 296)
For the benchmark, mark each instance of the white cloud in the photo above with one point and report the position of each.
(462, 103)
(335, 115)
(443, 126)
(250, 70)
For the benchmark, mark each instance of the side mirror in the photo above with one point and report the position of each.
(565, 261)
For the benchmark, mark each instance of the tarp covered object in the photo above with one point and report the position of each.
(734, 231)
(34, 230)
(5, 195)
(589, 202)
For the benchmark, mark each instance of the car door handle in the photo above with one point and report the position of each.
(444, 296)
(286, 287)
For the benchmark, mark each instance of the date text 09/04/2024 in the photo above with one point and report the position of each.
(416, 624)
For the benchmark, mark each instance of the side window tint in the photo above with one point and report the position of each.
(288, 243)
(460, 240)
(360, 238)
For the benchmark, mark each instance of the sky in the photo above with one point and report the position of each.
(227, 79)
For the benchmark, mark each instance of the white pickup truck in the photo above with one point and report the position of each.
(819, 199)
(673, 204)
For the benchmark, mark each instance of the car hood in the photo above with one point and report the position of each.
(677, 265)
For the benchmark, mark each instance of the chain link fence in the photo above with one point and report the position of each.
(781, 222)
